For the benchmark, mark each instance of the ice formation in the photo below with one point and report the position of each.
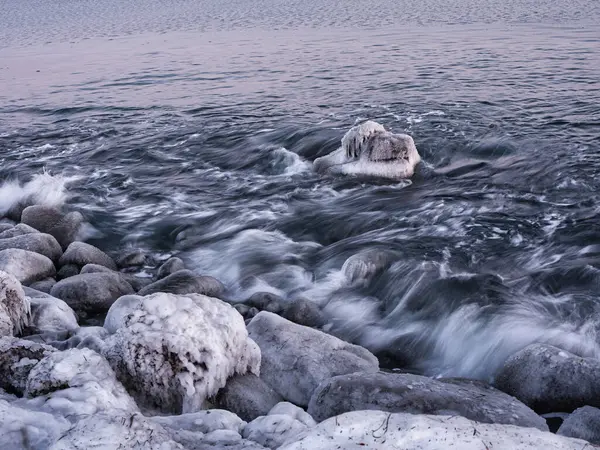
(14, 306)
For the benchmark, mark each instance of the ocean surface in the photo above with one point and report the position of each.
(189, 127)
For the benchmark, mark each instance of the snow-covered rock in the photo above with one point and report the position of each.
(14, 306)
(584, 423)
(398, 392)
(26, 266)
(49, 314)
(76, 383)
(549, 379)
(248, 396)
(378, 430)
(17, 358)
(175, 351)
(368, 149)
(296, 359)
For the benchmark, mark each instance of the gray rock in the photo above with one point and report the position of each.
(67, 229)
(185, 282)
(136, 283)
(296, 359)
(170, 266)
(549, 379)
(266, 301)
(395, 392)
(18, 230)
(304, 312)
(49, 314)
(44, 285)
(17, 358)
(246, 311)
(91, 292)
(4, 227)
(584, 423)
(42, 218)
(41, 243)
(26, 266)
(80, 254)
(247, 396)
(131, 258)
(66, 271)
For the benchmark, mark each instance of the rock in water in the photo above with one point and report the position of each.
(91, 292)
(378, 430)
(17, 358)
(42, 218)
(26, 266)
(14, 306)
(584, 423)
(169, 267)
(296, 359)
(247, 396)
(395, 392)
(185, 282)
(304, 312)
(369, 150)
(132, 258)
(174, 352)
(80, 254)
(549, 379)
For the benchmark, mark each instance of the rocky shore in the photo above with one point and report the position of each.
(123, 351)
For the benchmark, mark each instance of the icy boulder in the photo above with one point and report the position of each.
(368, 149)
(77, 383)
(175, 351)
(14, 306)
(17, 358)
(381, 430)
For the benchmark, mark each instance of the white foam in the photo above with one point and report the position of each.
(42, 189)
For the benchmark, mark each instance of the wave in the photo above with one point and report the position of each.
(43, 189)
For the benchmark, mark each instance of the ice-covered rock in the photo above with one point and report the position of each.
(14, 306)
(296, 359)
(80, 254)
(17, 358)
(549, 379)
(283, 423)
(169, 267)
(185, 282)
(583, 423)
(116, 431)
(247, 396)
(77, 383)
(91, 292)
(49, 314)
(378, 430)
(26, 266)
(175, 351)
(41, 243)
(25, 429)
(395, 392)
(368, 149)
(84, 337)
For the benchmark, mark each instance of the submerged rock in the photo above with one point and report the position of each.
(173, 352)
(584, 423)
(26, 266)
(91, 292)
(247, 396)
(549, 379)
(383, 430)
(80, 254)
(169, 267)
(41, 243)
(17, 358)
(395, 392)
(296, 359)
(185, 282)
(14, 306)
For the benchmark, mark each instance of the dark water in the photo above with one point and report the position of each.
(190, 126)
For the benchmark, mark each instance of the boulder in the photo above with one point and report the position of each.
(305, 312)
(26, 266)
(44, 285)
(379, 430)
(174, 351)
(247, 396)
(67, 271)
(246, 311)
(67, 230)
(17, 358)
(131, 258)
(91, 292)
(136, 283)
(169, 267)
(266, 301)
(41, 217)
(80, 254)
(14, 306)
(18, 230)
(41, 243)
(549, 379)
(584, 423)
(49, 314)
(296, 359)
(401, 392)
(185, 282)
(5, 226)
